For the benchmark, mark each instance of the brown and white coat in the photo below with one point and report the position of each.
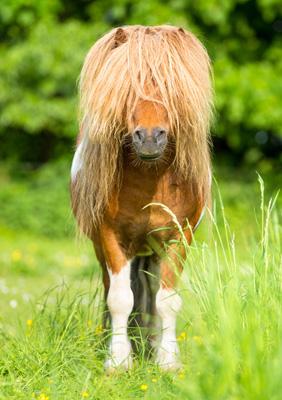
(144, 139)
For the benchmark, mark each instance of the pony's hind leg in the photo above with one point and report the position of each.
(137, 319)
(139, 289)
(144, 284)
(153, 279)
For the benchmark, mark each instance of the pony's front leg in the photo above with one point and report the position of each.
(120, 304)
(168, 304)
(119, 301)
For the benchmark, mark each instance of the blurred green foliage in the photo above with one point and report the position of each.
(39, 204)
(44, 44)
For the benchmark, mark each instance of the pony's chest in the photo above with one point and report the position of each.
(145, 205)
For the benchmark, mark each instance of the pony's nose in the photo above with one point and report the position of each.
(158, 136)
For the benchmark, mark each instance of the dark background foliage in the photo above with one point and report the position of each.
(44, 44)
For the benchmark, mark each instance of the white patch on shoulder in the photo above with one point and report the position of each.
(77, 161)
(120, 303)
(168, 303)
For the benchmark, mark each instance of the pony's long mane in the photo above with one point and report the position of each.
(163, 64)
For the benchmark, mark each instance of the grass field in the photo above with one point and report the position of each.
(229, 329)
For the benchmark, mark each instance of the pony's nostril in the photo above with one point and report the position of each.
(160, 135)
(139, 135)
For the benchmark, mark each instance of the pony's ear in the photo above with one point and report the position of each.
(120, 37)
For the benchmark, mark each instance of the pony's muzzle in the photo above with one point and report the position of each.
(149, 144)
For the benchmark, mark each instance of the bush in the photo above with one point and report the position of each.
(45, 44)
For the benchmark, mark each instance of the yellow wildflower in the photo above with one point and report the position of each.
(154, 380)
(99, 330)
(29, 323)
(182, 336)
(89, 323)
(85, 394)
(43, 396)
(144, 387)
(181, 375)
(16, 255)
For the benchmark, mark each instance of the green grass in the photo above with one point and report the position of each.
(229, 329)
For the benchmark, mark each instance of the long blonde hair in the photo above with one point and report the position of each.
(164, 64)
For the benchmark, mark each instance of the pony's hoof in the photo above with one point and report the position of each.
(114, 364)
(119, 357)
(168, 361)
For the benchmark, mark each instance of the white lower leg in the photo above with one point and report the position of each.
(120, 303)
(168, 303)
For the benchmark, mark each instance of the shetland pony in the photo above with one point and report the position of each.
(145, 111)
